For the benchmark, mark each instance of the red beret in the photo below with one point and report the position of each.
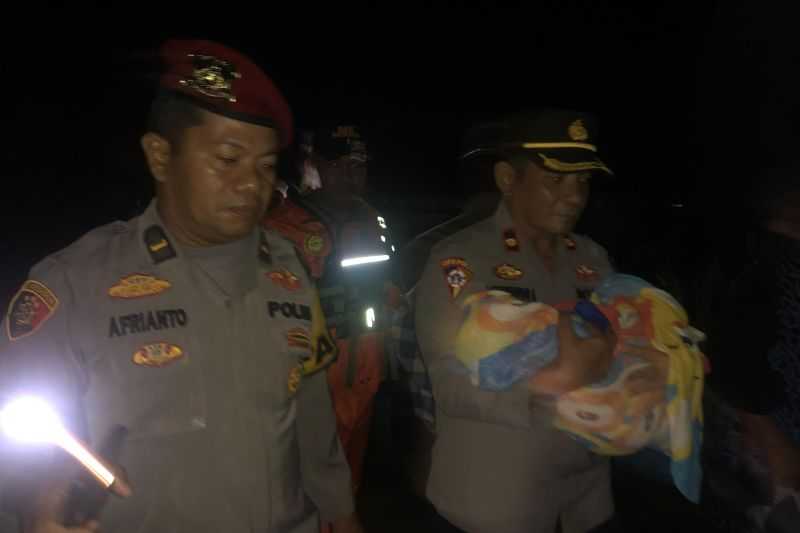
(226, 82)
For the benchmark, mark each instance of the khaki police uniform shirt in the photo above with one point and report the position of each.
(123, 327)
(495, 468)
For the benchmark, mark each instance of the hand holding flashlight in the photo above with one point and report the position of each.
(28, 419)
(58, 506)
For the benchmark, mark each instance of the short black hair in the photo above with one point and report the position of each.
(171, 114)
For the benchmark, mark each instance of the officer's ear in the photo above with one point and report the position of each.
(157, 151)
(505, 175)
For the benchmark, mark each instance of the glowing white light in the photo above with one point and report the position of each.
(383, 238)
(31, 420)
(353, 261)
(393, 247)
(382, 222)
(370, 316)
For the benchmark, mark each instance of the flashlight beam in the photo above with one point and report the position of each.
(76, 449)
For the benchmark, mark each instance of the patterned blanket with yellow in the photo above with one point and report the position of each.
(652, 393)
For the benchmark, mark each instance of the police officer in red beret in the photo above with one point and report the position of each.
(192, 327)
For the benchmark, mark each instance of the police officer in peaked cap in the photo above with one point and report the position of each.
(495, 466)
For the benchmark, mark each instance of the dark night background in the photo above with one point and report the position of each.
(689, 96)
(693, 98)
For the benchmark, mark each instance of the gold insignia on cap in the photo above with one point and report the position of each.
(212, 77)
(137, 286)
(577, 131)
(157, 354)
(561, 166)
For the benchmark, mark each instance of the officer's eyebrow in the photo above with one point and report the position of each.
(241, 146)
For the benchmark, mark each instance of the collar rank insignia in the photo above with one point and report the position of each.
(456, 274)
(507, 272)
(157, 354)
(158, 245)
(138, 286)
(510, 240)
(30, 308)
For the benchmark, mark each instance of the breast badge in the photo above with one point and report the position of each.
(456, 274)
(508, 272)
(138, 286)
(284, 278)
(158, 354)
(586, 274)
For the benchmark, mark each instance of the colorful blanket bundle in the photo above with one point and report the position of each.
(648, 398)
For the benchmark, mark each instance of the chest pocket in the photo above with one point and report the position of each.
(148, 373)
(523, 294)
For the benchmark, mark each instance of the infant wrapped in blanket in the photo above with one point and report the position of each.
(648, 398)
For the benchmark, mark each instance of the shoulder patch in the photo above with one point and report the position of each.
(30, 308)
(138, 286)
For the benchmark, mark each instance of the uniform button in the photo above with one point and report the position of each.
(199, 422)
